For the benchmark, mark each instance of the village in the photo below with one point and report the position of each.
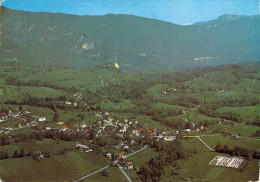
(27, 119)
(117, 139)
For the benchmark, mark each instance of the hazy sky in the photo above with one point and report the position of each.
(176, 11)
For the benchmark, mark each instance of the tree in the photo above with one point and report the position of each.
(20, 107)
(218, 147)
(21, 153)
(56, 116)
(5, 155)
(29, 153)
(15, 155)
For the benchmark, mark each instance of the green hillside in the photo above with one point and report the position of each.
(38, 38)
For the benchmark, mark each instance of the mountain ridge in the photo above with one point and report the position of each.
(226, 18)
(41, 38)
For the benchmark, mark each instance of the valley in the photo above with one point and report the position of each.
(83, 118)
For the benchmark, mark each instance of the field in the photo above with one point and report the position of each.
(1, 92)
(198, 167)
(247, 113)
(250, 144)
(66, 167)
(42, 92)
(114, 174)
(189, 101)
(160, 105)
(117, 106)
(244, 130)
(12, 93)
(10, 122)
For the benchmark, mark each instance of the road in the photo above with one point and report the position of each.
(105, 120)
(136, 152)
(99, 170)
(248, 138)
(92, 173)
(198, 136)
(102, 82)
(205, 144)
(99, 115)
(121, 169)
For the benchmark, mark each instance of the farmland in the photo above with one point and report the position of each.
(109, 111)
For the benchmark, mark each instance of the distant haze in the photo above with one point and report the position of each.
(183, 12)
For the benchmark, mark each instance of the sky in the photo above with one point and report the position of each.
(182, 12)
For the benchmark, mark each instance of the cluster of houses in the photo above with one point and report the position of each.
(25, 116)
(83, 147)
(108, 125)
(169, 90)
(78, 97)
(10, 113)
(121, 161)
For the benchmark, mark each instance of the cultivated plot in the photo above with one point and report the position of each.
(223, 161)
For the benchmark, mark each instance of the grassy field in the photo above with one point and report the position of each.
(114, 174)
(198, 167)
(1, 92)
(142, 157)
(160, 105)
(232, 142)
(244, 130)
(10, 122)
(197, 118)
(41, 111)
(68, 167)
(43, 146)
(248, 113)
(194, 144)
(155, 91)
(79, 78)
(148, 122)
(139, 160)
(12, 93)
(42, 92)
(115, 106)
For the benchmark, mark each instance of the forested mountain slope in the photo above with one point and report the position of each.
(39, 38)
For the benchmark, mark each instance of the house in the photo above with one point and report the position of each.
(234, 135)
(39, 119)
(110, 117)
(83, 125)
(4, 115)
(19, 125)
(120, 161)
(121, 155)
(187, 130)
(38, 154)
(15, 113)
(129, 165)
(68, 103)
(64, 128)
(125, 147)
(170, 138)
(109, 155)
